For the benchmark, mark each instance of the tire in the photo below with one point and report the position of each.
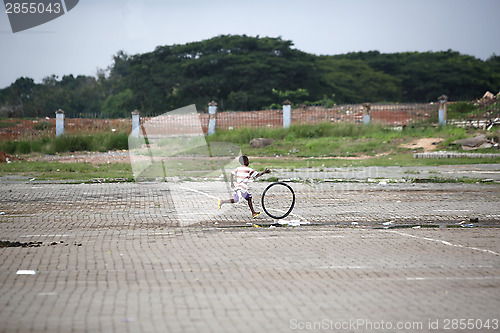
(278, 200)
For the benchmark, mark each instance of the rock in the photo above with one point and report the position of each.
(488, 95)
(260, 142)
(480, 141)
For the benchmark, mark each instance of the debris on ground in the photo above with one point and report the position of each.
(4, 158)
(4, 244)
(426, 144)
(478, 142)
(452, 154)
(260, 142)
(293, 223)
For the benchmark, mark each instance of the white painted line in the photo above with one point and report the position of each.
(28, 236)
(445, 242)
(345, 267)
(47, 294)
(453, 278)
(193, 190)
(25, 272)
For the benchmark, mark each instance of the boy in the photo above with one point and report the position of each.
(243, 175)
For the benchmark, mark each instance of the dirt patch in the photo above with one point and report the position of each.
(88, 157)
(427, 144)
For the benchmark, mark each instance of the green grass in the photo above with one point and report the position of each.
(403, 160)
(301, 146)
(464, 110)
(9, 124)
(67, 171)
(67, 143)
(87, 171)
(338, 140)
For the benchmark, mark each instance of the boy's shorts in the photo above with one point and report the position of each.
(239, 194)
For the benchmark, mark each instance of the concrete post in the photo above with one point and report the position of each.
(136, 123)
(443, 107)
(59, 122)
(366, 113)
(212, 117)
(287, 114)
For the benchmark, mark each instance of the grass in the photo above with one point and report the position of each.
(402, 160)
(67, 143)
(66, 171)
(338, 140)
(464, 110)
(8, 124)
(301, 146)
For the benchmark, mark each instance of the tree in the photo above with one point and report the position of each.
(250, 73)
(119, 105)
(353, 81)
(236, 71)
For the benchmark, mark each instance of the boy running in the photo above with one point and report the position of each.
(243, 174)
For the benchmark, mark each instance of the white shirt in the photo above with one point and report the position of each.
(243, 175)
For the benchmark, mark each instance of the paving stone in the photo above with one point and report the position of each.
(150, 258)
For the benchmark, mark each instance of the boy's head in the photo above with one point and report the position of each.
(244, 160)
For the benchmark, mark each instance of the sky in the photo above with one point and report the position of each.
(85, 39)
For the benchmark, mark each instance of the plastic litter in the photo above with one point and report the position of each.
(416, 227)
(387, 223)
(127, 320)
(2, 213)
(25, 272)
(294, 223)
(354, 223)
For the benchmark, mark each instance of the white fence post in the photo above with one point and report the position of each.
(287, 114)
(59, 122)
(136, 123)
(212, 117)
(443, 108)
(366, 113)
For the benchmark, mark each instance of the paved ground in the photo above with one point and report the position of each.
(157, 257)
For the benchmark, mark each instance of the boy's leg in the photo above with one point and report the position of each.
(250, 204)
(220, 202)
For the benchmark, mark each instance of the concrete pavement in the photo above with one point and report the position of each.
(157, 257)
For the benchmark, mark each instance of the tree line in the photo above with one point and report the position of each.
(251, 73)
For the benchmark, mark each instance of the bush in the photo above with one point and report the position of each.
(462, 107)
(42, 126)
(67, 143)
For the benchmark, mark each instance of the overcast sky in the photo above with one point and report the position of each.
(86, 38)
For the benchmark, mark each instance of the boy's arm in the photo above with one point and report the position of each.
(262, 172)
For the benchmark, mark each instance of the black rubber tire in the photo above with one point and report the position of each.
(291, 206)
